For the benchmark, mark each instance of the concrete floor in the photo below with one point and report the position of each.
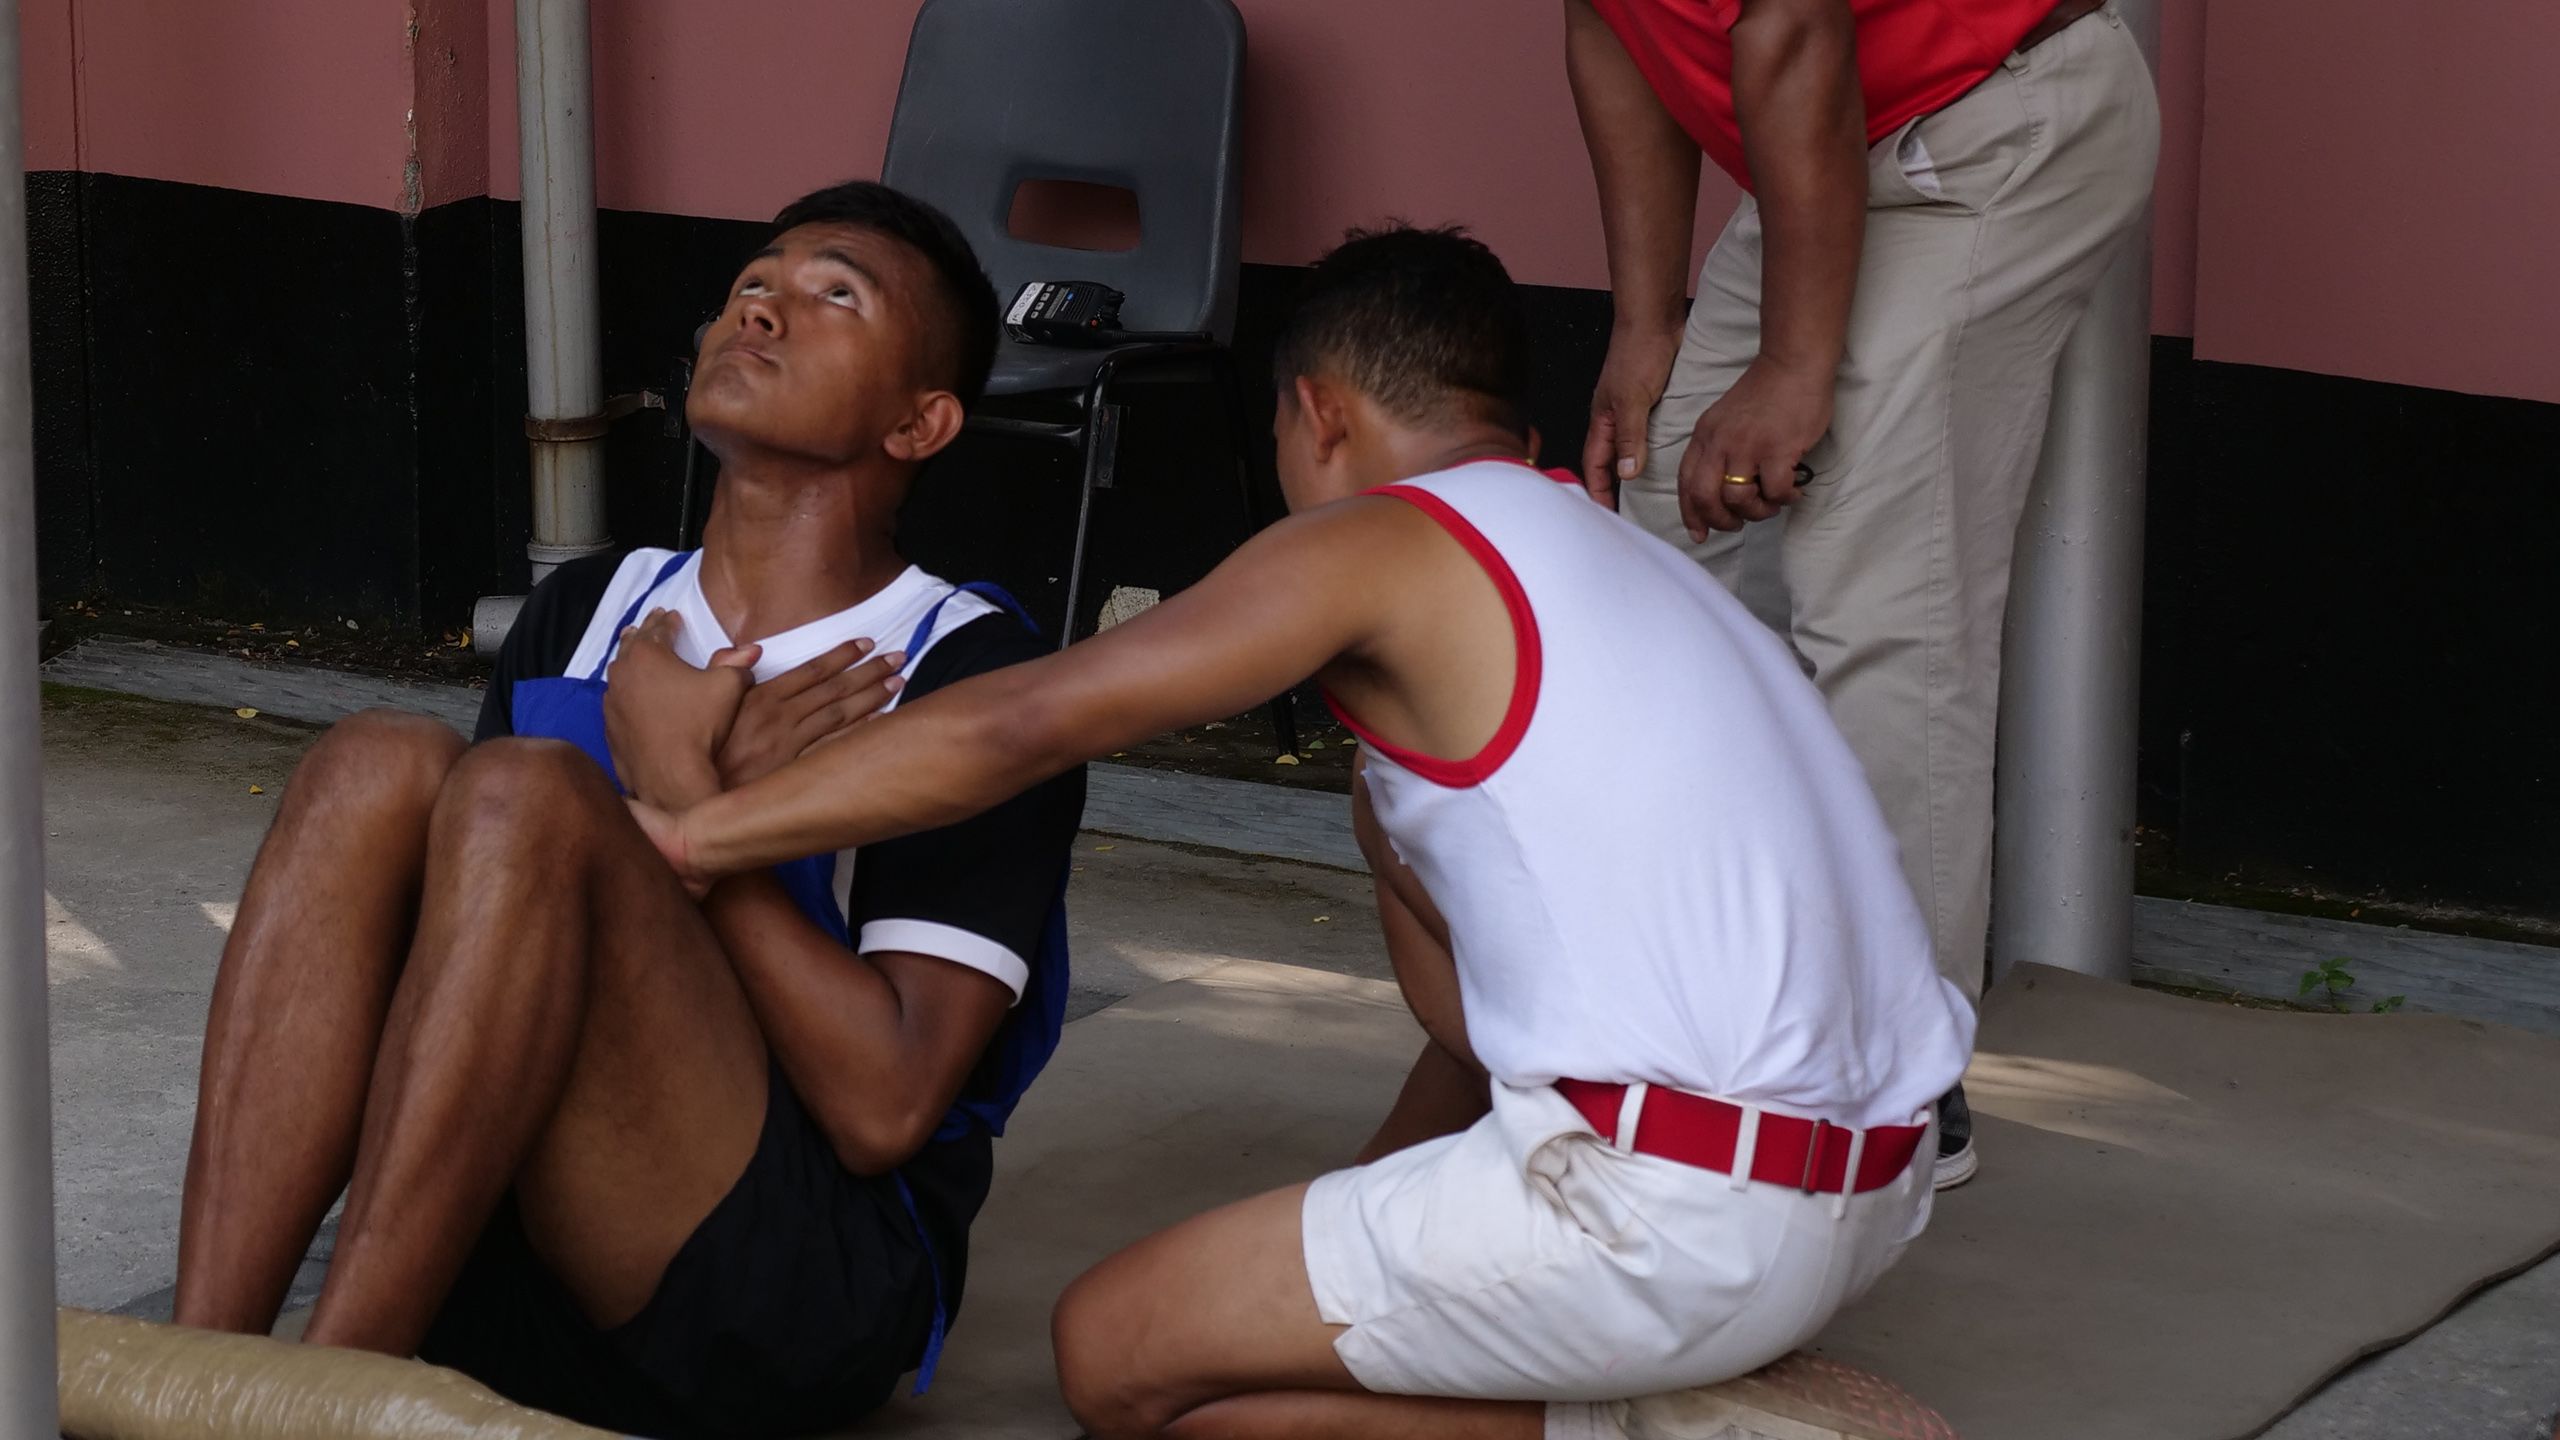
(152, 820)
(150, 825)
(2212, 947)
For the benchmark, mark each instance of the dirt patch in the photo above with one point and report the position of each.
(2234, 998)
(96, 724)
(380, 650)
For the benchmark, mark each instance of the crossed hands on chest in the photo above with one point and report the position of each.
(681, 733)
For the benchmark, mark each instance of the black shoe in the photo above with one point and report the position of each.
(1956, 1160)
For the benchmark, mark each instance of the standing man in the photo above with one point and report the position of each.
(1933, 189)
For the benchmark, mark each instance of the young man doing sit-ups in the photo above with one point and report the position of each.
(670, 1167)
(1684, 1033)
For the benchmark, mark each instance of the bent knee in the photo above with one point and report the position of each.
(1100, 1376)
(516, 784)
(379, 756)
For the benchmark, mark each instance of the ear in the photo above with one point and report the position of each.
(933, 424)
(1537, 442)
(1326, 411)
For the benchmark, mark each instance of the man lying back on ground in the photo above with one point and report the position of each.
(669, 1167)
(1637, 946)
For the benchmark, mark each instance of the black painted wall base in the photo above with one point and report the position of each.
(242, 400)
(2352, 612)
(290, 409)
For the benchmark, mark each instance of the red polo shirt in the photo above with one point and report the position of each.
(1914, 56)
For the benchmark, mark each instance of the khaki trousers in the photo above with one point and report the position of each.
(1988, 225)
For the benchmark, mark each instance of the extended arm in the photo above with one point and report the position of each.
(1293, 599)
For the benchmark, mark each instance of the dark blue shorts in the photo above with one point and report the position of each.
(795, 1307)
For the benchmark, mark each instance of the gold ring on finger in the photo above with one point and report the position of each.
(1742, 479)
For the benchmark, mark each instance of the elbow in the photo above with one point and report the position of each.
(1032, 735)
(1785, 31)
(879, 1138)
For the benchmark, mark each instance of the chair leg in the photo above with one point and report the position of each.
(1075, 559)
(1284, 706)
(1101, 452)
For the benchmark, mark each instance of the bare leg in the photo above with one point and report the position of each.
(567, 1023)
(1308, 1415)
(1209, 1331)
(298, 1009)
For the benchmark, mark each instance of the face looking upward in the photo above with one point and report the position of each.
(826, 353)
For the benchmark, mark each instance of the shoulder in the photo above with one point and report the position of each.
(991, 641)
(578, 588)
(555, 616)
(547, 633)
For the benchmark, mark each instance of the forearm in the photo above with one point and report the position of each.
(1291, 599)
(833, 1022)
(1803, 116)
(1646, 167)
(942, 759)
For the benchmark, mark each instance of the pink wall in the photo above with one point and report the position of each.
(1428, 111)
(314, 97)
(450, 75)
(287, 97)
(1339, 130)
(2380, 197)
(2345, 195)
(325, 99)
(721, 110)
(47, 99)
(1342, 127)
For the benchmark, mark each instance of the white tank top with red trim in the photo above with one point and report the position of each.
(1667, 866)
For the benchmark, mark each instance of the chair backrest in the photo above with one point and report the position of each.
(1140, 94)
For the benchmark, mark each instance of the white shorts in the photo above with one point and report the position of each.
(1526, 1259)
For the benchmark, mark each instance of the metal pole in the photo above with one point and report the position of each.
(562, 315)
(26, 1102)
(2062, 864)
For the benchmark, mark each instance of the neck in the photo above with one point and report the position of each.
(789, 542)
(1403, 454)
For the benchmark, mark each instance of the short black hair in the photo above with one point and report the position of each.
(1425, 322)
(966, 340)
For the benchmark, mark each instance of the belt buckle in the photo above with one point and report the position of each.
(1813, 1155)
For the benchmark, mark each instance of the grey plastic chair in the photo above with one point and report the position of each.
(1140, 94)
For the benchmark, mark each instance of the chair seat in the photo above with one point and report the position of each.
(1022, 369)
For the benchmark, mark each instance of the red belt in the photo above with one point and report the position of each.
(1807, 1155)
